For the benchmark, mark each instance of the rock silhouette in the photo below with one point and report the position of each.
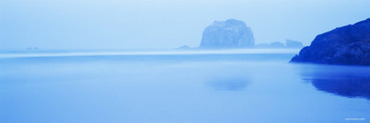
(348, 45)
(227, 34)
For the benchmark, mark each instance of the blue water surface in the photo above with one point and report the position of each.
(170, 88)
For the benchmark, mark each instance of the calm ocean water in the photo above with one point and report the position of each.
(180, 88)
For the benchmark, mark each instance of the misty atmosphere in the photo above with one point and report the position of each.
(145, 61)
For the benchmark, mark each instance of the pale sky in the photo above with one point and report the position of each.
(164, 24)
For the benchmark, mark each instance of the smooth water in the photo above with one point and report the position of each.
(183, 88)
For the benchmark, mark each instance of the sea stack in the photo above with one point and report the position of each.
(348, 45)
(226, 35)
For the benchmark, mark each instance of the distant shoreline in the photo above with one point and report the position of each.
(153, 52)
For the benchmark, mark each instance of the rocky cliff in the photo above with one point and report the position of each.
(348, 45)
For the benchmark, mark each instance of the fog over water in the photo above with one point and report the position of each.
(120, 61)
(167, 88)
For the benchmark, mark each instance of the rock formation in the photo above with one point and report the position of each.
(289, 44)
(348, 45)
(293, 44)
(227, 34)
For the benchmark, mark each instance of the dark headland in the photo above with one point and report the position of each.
(348, 45)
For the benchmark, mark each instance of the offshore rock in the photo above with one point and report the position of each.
(227, 34)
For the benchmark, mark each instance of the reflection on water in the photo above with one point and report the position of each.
(232, 84)
(234, 88)
(348, 87)
(345, 81)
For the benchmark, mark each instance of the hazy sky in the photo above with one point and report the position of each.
(164, 24)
